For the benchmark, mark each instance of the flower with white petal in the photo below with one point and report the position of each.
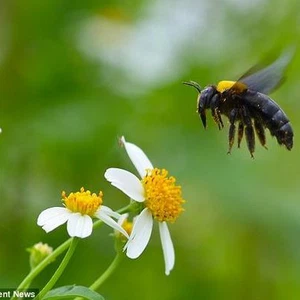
(78, 211)
(160, 196)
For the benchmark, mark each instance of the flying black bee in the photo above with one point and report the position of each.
(245, 101)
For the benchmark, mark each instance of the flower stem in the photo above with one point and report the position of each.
(125, 209)
(40, 267)
(61, 268)
(115, 263)
(117, 260)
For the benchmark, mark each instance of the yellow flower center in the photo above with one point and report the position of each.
(84, 202)
(163, 196)
(127, 225)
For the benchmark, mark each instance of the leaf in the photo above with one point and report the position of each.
(72, 291)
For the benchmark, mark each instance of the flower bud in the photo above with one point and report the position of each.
(38, 253)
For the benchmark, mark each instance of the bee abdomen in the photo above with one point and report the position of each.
(279, 126)
(273, 117)
(276, 121)
(285, 135)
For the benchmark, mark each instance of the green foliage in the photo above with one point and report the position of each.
(72, 291)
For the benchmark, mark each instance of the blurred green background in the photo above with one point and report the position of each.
(76, 75)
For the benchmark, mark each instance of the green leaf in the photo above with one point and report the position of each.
(72, 291)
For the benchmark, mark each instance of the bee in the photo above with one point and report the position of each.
(246, 102)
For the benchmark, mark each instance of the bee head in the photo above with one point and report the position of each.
(205, 97)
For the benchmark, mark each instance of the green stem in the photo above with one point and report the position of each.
(40, 267)
(125, 209)
(61, 268)
(115, 263)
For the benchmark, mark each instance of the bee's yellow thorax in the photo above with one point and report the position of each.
(226, 85)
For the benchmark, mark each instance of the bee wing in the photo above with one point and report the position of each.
(270, 77)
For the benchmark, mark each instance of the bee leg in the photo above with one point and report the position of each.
(260, 131)
(214, 105)
(216, 118)
(220, 118)
(240, 133)
(232, 117)
(249, 132)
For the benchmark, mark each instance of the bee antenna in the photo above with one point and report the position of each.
(193, 84)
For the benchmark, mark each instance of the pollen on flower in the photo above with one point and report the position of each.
(84, 202)
(163, 196)
(127, 225)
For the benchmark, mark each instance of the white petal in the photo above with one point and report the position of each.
(122, 218)
(110, 212)
(80, 225)
(53, 217)
(138, 157)
(140, 234)
(126, 182)
(110, 222)
(168, 248)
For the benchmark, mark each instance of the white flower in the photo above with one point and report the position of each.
(79, 209)
(159, 194)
